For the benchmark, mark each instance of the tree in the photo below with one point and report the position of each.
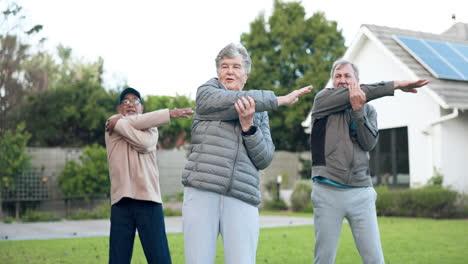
(72, 111)
(69, 70)
(14, 51)
(87, 178)
(72, 116)
(73, 108)
(288, 52)
(178, 132)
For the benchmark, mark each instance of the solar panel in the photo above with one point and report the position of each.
(452, 56)
(463, 49)
(445, 60)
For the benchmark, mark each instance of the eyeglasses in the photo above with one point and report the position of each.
(127, 102)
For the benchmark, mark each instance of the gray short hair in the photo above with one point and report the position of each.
(342, 62)
(235, 50)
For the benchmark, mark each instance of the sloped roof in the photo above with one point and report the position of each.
(453, 93)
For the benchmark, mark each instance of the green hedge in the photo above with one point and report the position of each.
(428, 201)
(100, 212)
(35, 216)
(275, 205)
(172, 212)
(432, 201)
(300, 198)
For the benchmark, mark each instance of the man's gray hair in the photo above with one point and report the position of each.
(341, 62)
(235, 50)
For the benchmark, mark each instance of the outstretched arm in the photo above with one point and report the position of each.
(293, 96)
(332, 100)
(410, 86)
(364, 121)
(180, 112)
(138, 131)
(149, 120)
(215, 102)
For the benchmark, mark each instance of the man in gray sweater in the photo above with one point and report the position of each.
(231, 142)
(344, 130)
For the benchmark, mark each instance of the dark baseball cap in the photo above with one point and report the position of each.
(131, 91)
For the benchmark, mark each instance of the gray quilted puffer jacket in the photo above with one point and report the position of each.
(222, 160)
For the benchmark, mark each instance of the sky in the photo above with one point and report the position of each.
(168, 47)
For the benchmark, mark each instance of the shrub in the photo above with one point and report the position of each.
(172, 212)
(166, 198)
(180, 196)
(300, 198)
(434, 201)
(87, 178)
(103, 210)
(386, 202)
(82, 214)
(8, 220)
(436, 179)
(306, 168)
(429, 201)
(275, 205)
(35, 216)
(13, 159)
(100, 212)
(462, 205)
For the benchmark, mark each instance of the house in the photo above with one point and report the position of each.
(425, 134)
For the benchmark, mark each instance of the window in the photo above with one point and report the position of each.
(389, 163)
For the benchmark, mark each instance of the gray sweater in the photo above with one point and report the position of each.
(221, 159)
(341, 138)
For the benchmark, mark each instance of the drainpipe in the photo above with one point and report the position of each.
(450, 116)
(444, 118)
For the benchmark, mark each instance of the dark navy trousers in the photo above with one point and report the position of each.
(129, 215)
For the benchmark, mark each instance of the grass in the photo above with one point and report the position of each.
(404, 240)
(286, 213)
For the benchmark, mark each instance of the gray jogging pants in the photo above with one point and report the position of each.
(357, 205)
(208, 214)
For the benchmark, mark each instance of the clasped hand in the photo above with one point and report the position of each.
(245, 108)
(357, 97)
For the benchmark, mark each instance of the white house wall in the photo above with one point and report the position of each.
(454, 157)
(402, 110)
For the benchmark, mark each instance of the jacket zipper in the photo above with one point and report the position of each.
(350, 173)
(350, 168)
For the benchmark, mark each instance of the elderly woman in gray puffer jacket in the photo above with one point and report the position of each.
(231, 142)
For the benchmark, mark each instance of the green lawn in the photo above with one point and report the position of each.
(286, 213)
(405, 240)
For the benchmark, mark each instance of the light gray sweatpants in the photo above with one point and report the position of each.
(206, 215)
(357, 205)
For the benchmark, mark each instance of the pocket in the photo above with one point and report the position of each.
(361, 160)
(339, 157)
(314, 196)
(188, 195)
(374, 193)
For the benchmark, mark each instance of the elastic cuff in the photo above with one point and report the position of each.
(250, 132)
